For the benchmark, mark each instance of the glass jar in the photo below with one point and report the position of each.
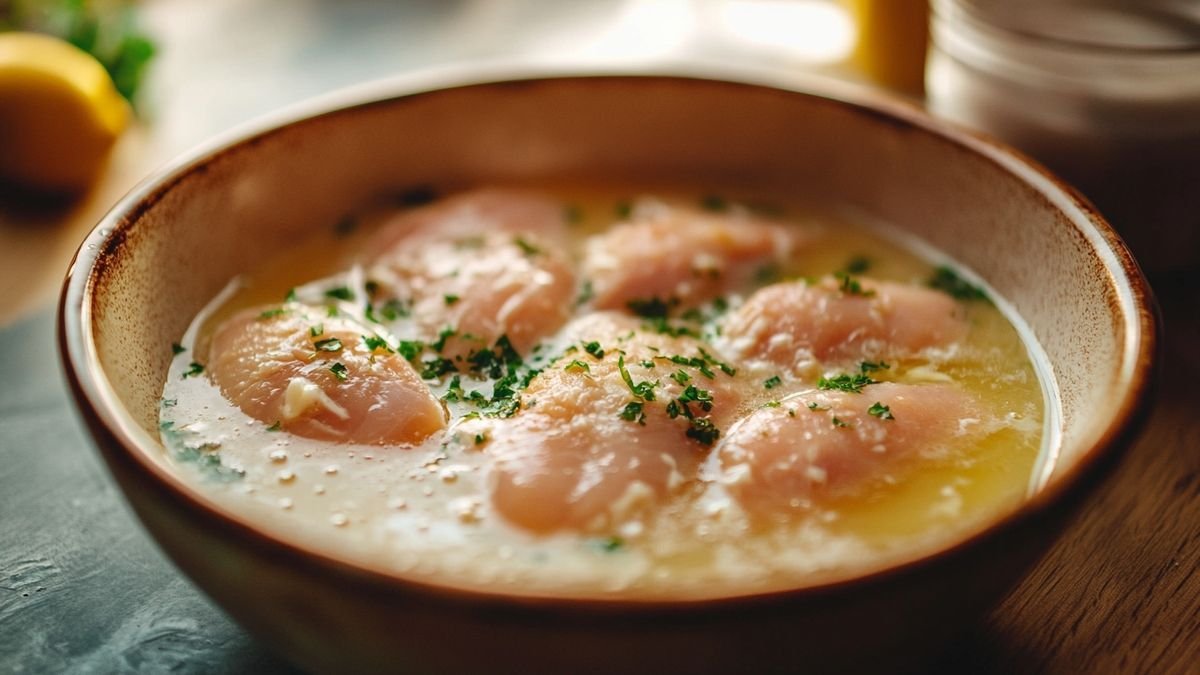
(1104, 92)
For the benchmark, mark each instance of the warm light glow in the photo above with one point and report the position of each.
(815, 30)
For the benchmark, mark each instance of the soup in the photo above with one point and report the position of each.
(602, 392)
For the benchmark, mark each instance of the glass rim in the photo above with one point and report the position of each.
(970, 10)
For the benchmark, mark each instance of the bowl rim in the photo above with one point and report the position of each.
(100, 405)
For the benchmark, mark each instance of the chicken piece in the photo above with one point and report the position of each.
(792, 324)
(821, 444)
(681, 256)
(485, 263)
(588, 453)
(316, 377)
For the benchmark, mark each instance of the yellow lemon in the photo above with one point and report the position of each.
(59, 113)
(892, 38)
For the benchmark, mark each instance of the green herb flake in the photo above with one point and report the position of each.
(650, 308)
(851, 286)
(277, 426)
(845, 382)
(681, 376)
(881, 411)
(433, 369)
(480, 438)
(272, 313)
(444, 335)
(859, 264)
(703, 430)
(339, 371)
(594, 349)
(586, 293)
(817, 407)
(328, 345)
(526, 247)
(454, 392)
(610, 544)
(291, 296)
(451, 299)
(948, 281)
(340, 293)
(578, 366)
(169, 402)
(772, 404)
(193, 370)
(633, 412)
(772, 382)
(410, 349)
(839, 423)
(867, 367)
(177, 349)
(376, 343)
(393, 309)
(643, 390)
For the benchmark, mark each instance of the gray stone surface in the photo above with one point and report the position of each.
(83, 589)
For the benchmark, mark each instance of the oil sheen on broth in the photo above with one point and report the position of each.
(585, 391)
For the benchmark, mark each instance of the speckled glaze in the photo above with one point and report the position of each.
(172, 244)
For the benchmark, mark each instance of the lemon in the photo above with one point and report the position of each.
(892, 39)
(59, 113)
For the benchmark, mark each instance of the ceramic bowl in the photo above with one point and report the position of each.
(177, 239)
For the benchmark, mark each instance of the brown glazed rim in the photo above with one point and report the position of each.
(102, 408)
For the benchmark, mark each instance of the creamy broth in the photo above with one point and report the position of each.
(429, 509)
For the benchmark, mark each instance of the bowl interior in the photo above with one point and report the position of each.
(175, 242)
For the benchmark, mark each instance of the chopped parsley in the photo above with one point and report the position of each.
(817, 407)
(881, 411)
(339, 371)
(480, 438)
(526, 247)
(845, 382)
(857, 265)
(170, 402)
(272, 313)
(578, 366)
(594, 349)
(586, 293)
(454, 392)
(451, 299)
(661, 326)
(434, 368)
(703, 430)
(871, 366)
(610, 544)
(841, 424)
(681, 376)
(651, 308)
(317, 330)
(410, 349)
(193, 370)
(177, 349)
(643, 390)
(340, 293)
(374, 343)
(851, 286)
(291, 296)
(947, 280)
(443, 335)
(328, 345)
(772, 382)
(633, 412)
(277, 426)
(393, 309)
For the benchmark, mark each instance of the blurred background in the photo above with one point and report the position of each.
(95, 94)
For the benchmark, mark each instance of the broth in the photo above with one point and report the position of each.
(429, 510)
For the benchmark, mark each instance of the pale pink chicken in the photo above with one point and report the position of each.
(822, 444)
(791, 324)
(316, 377)
(577, 457)
(486, 263)
(680, 255)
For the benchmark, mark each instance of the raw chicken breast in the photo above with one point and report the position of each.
(827, 443)
(680, 255)
(485, 263)
(791, 324)
(316, 377)
(579, 457)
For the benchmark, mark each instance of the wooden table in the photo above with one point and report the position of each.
(1120, 593)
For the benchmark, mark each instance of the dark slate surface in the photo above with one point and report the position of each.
(83, 589)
